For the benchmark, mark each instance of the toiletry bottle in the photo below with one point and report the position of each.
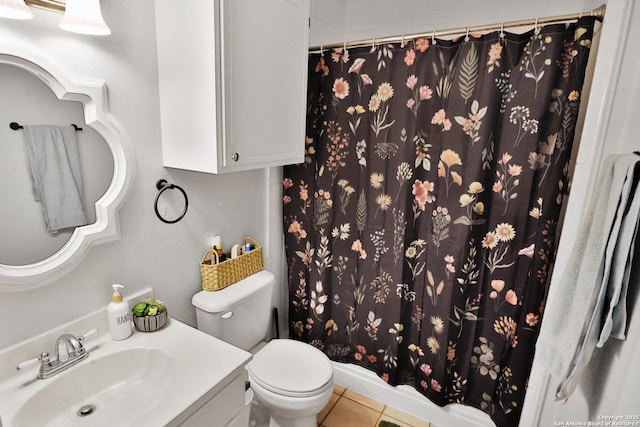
(216, 244)
(119, 315)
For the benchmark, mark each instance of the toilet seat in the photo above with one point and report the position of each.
(291, 368)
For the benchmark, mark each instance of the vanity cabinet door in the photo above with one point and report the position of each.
(232, 76)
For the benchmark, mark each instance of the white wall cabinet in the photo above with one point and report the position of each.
(232, 77)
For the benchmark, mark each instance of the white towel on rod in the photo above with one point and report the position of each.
(588, 304)
(54, 170)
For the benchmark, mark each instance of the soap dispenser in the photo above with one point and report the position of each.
(119, 315)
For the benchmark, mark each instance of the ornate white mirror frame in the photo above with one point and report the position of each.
(92, 93)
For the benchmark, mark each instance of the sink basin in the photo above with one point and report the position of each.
(101, 391)
(177, 376)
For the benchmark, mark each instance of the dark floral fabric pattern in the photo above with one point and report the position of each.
(420, 230)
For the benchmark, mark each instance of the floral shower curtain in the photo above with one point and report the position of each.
(420, 230)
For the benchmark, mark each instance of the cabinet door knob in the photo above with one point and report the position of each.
(235, 157)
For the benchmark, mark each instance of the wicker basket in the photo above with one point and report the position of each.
(218, 275)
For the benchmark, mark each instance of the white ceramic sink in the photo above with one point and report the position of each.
(104, 389)
(153, 379)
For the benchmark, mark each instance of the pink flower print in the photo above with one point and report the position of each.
(435, 386)
(322, 67)
(495, 52)
(356, 246)
(497, 187)
(412, 80)
(339, 55)
(426, 369)
(296, 228)
(450, 269)
(421, 192)
(304, 192)
(357, 65)
(341, 88)
(425, 93)
(506, 158)
(498, 285)
(410, 57)
(286, 199)
(493, 295)
(366, 79)
(532, 319)
(424, 384)
(511, 297)
(438, 117)
(287, 183)
(528, 251)
(515, 170)
(411, 103)
(422, 44)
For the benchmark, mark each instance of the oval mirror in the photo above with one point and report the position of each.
(36, 92)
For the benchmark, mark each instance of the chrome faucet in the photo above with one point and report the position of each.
(69, 347)
(69, 351)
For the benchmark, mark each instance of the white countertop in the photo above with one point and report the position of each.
(205, 365)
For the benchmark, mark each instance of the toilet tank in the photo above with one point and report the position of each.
(239, 314)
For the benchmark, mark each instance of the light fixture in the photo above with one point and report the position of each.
(85, 17)
(15, 9)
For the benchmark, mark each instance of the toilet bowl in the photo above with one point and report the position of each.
(292, 379)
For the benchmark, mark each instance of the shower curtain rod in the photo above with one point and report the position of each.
(598, 13)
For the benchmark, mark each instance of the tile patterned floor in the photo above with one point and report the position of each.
(348, 408)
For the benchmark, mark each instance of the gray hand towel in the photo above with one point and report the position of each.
(584, 306)
(54, 169)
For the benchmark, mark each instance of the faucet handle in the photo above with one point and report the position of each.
(88, 334)
(43, 358)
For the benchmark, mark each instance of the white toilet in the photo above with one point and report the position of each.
(293, 380)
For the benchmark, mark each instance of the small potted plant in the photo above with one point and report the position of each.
(150, 315)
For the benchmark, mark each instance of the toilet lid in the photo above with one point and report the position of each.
(291, 368)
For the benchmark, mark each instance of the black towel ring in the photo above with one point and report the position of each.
(163, 185)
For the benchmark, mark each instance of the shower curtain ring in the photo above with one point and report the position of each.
(433, 37)
(321, 51)
(373, 43)
(502, 34)
(466, 38)
(536, 30)
(344, 46)
(402, 41)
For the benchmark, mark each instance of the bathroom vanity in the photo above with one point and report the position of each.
(177, 376)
